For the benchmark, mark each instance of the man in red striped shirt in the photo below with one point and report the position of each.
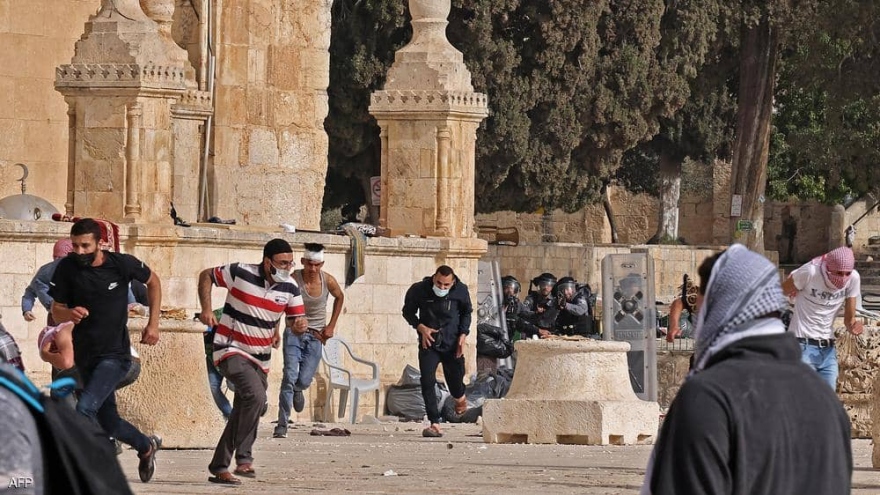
(258, 296)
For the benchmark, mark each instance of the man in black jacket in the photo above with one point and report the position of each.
(439, 308)
(751, 418)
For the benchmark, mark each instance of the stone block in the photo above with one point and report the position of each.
(231, 105)
(284, 68)
(570, 392)
(262, 148)
(235, 22)
(258, 103)
(11, 140)
(234, 70)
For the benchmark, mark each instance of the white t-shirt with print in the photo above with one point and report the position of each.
(817, 304)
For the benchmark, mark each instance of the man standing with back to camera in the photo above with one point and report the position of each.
(439, 308)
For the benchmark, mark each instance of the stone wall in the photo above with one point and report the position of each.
(270, 147)
(33, 116)
(371, 320)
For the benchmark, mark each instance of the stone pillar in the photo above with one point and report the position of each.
(120, 86)
(429, 114)
(570, 392)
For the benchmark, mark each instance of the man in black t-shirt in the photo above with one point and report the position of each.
(90, 288)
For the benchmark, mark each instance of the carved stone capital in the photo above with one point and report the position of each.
(390, 104)
(73, 77)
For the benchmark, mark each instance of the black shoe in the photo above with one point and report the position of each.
(299, 401)
(280, 432)
(118, 446)
(147, 464)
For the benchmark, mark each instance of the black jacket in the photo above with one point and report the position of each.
(451, 315)
(755, 421)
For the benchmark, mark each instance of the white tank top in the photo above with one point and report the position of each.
(316, 307)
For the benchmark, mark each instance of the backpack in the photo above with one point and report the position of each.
(78, 458)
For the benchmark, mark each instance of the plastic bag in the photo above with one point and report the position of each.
(493, 342)
(492, 385)
(405, 398)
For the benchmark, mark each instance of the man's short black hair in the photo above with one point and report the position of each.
(87, 226)
(314, 247)
(276, 246)
(444, 271)
(705, 271)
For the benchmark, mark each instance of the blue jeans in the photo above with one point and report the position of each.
(98, 401)
(215, 381)
(823, 360)
(302, 354)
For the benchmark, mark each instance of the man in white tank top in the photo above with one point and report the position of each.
(820, 288)
(302, 351)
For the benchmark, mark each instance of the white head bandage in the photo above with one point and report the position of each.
(316, 256)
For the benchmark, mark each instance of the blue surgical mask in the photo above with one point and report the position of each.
(440, 292)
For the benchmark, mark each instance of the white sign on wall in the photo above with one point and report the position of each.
(376, 190)
(736, 205)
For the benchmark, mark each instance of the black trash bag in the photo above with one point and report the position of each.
(405, 398)
(493, 385)
(492, 342)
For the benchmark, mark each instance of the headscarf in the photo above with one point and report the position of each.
(62, 247)
(838, 260)
(743, 287)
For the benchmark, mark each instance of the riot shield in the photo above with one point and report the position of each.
(628, 315)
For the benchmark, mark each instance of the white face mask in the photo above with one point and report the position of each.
(440, 292)
(280, 275)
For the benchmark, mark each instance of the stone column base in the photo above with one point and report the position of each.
(585, 422)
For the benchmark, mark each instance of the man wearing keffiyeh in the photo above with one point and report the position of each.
(820, 288)
(751, 418)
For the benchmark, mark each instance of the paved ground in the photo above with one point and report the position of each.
(393, 458)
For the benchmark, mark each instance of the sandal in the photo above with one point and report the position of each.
(224, 479)
(432, 432)
(461, 405)
(245, 470)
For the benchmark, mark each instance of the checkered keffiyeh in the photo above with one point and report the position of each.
(840, 259)
(743, 287)
(9, 352)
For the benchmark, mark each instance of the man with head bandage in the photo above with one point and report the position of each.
(302, 350)
(820, 288)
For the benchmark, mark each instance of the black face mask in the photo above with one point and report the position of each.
(83, 260)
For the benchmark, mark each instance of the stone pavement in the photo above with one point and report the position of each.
(458, 463)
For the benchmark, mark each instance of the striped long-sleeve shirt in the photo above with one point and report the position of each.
(252, 310)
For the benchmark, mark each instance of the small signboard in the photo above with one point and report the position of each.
(744, 226)
(736, 205)
(376, 190)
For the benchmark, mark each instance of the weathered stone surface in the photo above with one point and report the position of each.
(570, 392)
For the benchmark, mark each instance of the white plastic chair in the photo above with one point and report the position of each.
(341, 378)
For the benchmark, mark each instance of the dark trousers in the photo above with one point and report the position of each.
(453, 371)
(241, 429)
(98, 401)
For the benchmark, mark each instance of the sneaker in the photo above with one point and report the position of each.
(265, 409)
(147, 464)
(118, 446)
(299, 401)
(279, 432)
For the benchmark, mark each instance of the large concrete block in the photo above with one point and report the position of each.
(573, 392)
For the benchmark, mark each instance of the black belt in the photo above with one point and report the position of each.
(820, 343)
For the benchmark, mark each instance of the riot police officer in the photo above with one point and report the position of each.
(512, 305)
(573, 301)
(538, 315)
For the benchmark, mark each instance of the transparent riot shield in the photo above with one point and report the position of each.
(628, 315)
(489, 295)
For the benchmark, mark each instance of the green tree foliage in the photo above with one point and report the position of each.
(826, 141)
(364, 37)
(571, 86)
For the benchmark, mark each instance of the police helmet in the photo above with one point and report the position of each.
(564, 283)
(510, 281)
(544, 279)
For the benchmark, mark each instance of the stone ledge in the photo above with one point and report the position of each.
(415, 102)
(119, 76)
